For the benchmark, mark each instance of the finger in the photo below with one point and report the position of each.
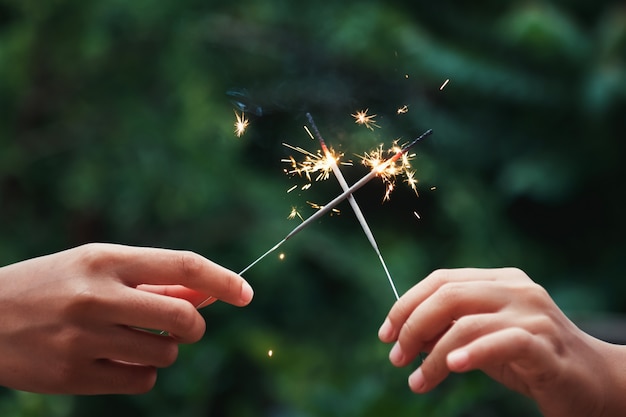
(435, 368)
(139, 265)
(134, 346)
(196, 298)
(113, 377)
(147, 310)
(530, 354)
(441, 310)
(403, 308)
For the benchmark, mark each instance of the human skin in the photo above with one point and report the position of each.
(71, 322)
(501, 322)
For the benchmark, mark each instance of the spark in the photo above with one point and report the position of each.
(402, 110)
(315, 167)
(410, 179)
(389, 171)
(417, 215)
(294, 213)
(292, 188)
(281, 256)
(444, 84)
(270, 353)
(331, 204)
(367, 120)
(241, 124)
(433, 188)
(320, 207)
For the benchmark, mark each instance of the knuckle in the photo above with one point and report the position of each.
(468, 327)
(407, 333)
(142, 382)
(536, 295)
(448, 293)
(184, 321)
(96, 256)
(69, 341)
(439, 277)
(169, 355)
(190, 263)
(523, 340)
(516, 274)
(83, 302)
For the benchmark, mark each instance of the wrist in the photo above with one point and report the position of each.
(614, 385)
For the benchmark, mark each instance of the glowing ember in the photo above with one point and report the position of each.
(241, 124)
(362, 118)
(294, 213)
(320, 207)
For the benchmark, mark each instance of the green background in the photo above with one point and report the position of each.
(116, 125)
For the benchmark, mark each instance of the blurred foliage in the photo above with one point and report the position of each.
(116, 124)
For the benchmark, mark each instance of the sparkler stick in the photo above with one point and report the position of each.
(331, 205)
(355, 207)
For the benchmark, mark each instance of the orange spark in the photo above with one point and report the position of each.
(403, 109)
(362, 118)
(388, 172)
(294, 213)
(319, 207)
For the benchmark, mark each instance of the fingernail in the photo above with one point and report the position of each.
(396, 355)
(458, 360)
(417, 381)
(246, 292)
(384, 333)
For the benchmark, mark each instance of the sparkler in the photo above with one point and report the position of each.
(331, 204)
(355, 207)
(378, 169)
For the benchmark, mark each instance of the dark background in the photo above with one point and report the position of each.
(116, 125)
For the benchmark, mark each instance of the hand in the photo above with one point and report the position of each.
(501, 322)
(71, 322)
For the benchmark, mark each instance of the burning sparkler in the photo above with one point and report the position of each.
(314, 163)
(388, 173)
(355, 207)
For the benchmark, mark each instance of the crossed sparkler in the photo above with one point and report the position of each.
(380, 167)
